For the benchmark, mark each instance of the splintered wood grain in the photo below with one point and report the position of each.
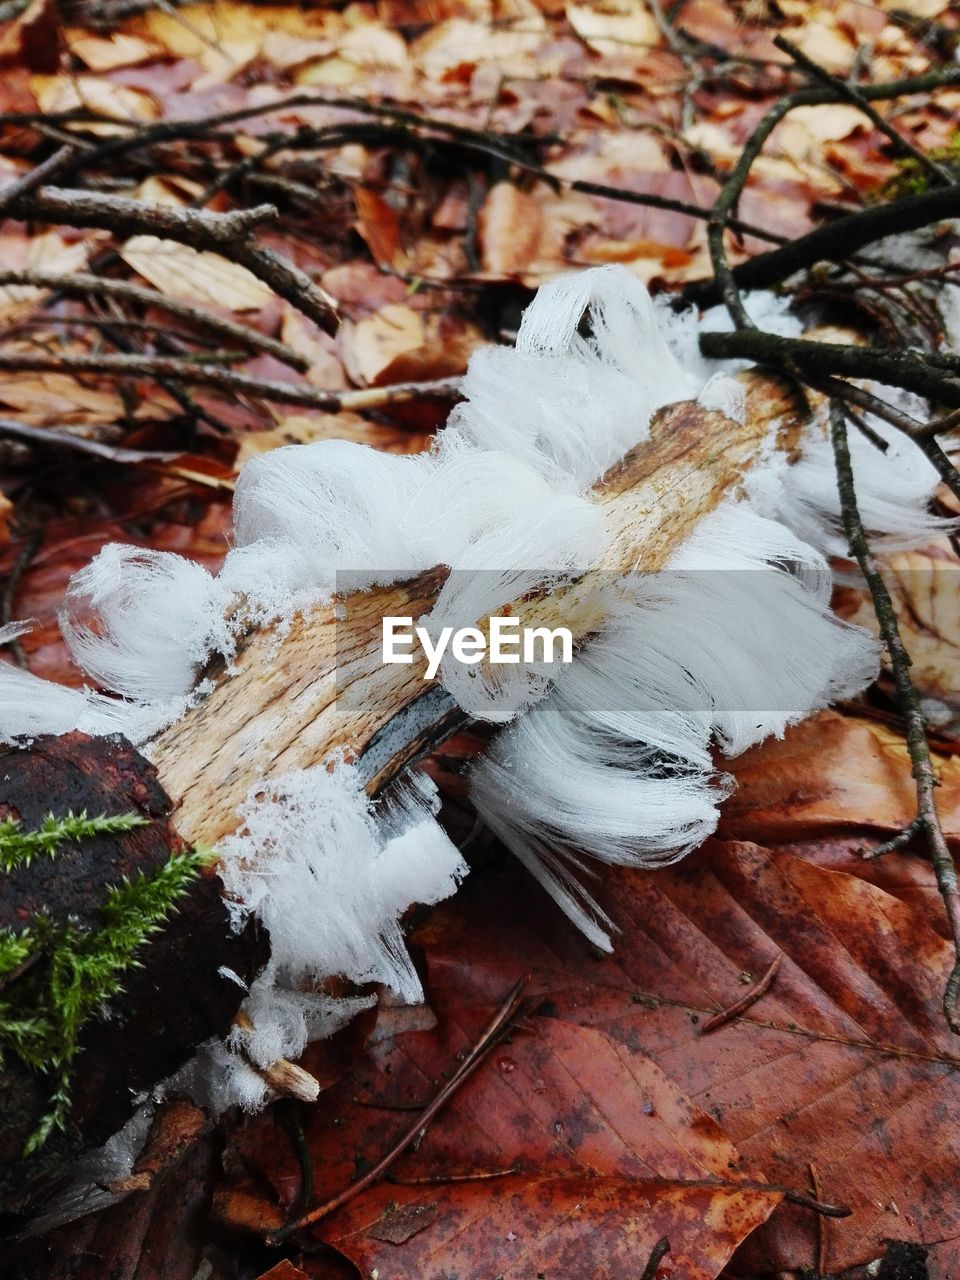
(323, 687)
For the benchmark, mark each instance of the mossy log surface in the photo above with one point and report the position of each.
(171, 1002)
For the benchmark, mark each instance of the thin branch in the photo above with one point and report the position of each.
(836, 241)
(196, 373)
(59, 438)
(37, 176)
(659, 202)
(31, 545)
(491, 1037)
(657, 1255)
(727, 283)
(745, 1002)
(496, 146)
(901, 840)
(225, 233)
(822, 1243)
(201, 126)
(908, 369)
(939, 425)
(919, 432)
(922, 765)
(852, 94)
(80, 285)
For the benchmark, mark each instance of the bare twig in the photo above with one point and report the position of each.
(224, 233)
(822, 1246)
(844, 89)
(166, 463)
(660, 202)
(922, 765)
(726, 282)
(939, 425)
(657, 1255)
(37, 176)
(196, 373)
(908, 369)
(82, 285)
(284, 1077)
(25, 555)
(58, 438)
(750, 998)
(921, 433)
(834, 242)
(141, 136)
(900, 841)
(492, 1035)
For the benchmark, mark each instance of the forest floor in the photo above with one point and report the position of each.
(430, 163)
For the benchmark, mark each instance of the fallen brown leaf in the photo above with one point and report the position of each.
(846, 1062)
(508, 230)
(379, 226)
(831, 773)
(189, 276)
(108, 53)
(530, 1227)
(284, 1270)
(925, 586)
(57, 397)
(94, 93)
(565, 1147)
(399, 344)
(609, 27)
(33, 40)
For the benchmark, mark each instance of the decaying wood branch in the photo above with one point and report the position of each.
(224, 233)
(324, 688)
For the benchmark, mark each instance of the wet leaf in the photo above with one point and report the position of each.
(566, 1146)
(831, 773)
(845, 1062)
(284, 1270)
(523, 1228)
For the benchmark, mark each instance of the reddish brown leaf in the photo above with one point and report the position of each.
(831, 773)
(560, 1115)
(33, 41)
(284, 1270)
(378, 225)
(524, 1228)
(845, 1062)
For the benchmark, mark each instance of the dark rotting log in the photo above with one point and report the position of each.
(175, 999)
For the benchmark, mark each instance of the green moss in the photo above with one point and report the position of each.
(18, 848)
(56, 975)
(912, 179)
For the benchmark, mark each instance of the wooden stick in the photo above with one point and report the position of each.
(290, 704)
